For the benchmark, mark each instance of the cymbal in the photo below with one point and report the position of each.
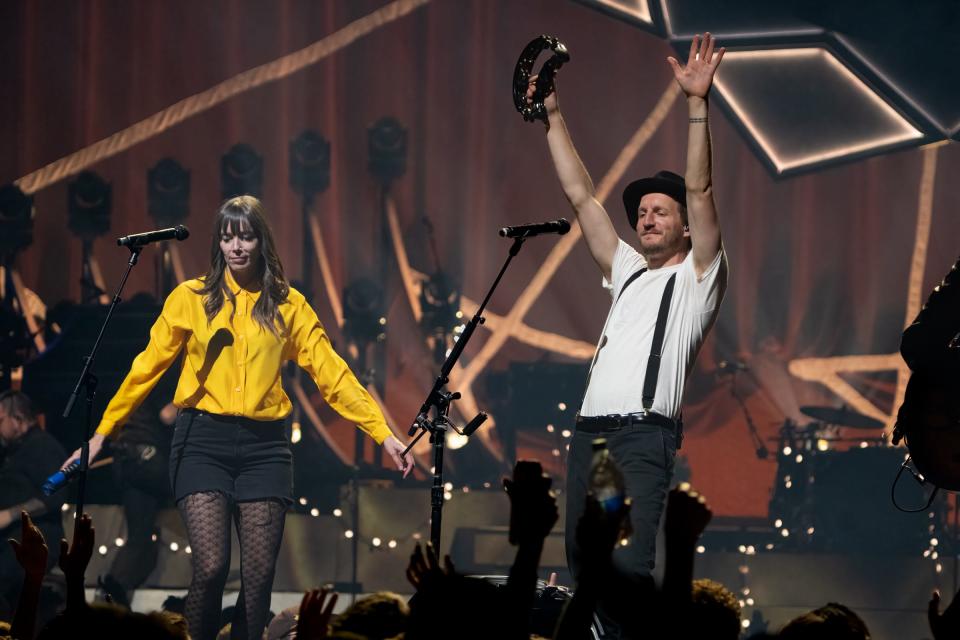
(841, 417)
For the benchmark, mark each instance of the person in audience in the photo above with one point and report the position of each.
(28, 455)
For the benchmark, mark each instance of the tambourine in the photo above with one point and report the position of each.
(544, 83)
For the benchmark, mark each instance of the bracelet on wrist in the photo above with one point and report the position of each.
(699, 119)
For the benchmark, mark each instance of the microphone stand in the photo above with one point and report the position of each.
(761, 447)
(439, 400)
(89, 380)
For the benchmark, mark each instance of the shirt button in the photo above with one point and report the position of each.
(237, 389)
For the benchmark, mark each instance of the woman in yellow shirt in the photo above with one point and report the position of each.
(230, 457)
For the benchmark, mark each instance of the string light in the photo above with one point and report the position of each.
(118, 542)
(103, 549)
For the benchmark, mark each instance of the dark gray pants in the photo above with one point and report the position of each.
(645, 454)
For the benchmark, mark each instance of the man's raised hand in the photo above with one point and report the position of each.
(696, 77)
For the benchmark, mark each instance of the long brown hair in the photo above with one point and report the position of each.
(233, 216)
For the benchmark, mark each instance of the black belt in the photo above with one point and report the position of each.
(615, 422)
(239, 420)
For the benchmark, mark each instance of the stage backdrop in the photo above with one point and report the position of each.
(820, 265)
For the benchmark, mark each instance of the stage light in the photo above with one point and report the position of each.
(241, 172)
(168, 193)
(362, 311)
(16, 220)
(456, 440)
(309, 164)
(89, 203)
(387, 149)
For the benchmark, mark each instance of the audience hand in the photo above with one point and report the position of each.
(424, 571)
(687, 515)
(31, 551)
(533, 506)
(316, 609)
(75, 557)
(947, 624)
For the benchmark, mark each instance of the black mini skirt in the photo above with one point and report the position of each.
(244, 459)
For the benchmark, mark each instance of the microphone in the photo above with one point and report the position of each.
(61, 478)
(560, 226)
(729, 368)
(474, 424)
(178, 232)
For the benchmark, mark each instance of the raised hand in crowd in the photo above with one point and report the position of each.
(316, 609)
(31, 553)
(686, 518)
(687, 515)
(533, 512)
(947, 624)
(424, 571)
(74, 559)
(597, 535)
(533, 506)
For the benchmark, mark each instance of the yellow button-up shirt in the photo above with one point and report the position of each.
(232, 365)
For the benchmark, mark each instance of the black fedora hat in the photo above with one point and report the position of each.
(665, 182)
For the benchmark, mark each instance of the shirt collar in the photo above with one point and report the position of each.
(236, 289)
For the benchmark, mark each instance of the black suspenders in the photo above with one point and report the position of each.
(656, 348)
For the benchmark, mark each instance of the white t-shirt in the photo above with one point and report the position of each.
(616, 381)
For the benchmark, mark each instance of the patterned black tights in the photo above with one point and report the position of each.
(260, 530)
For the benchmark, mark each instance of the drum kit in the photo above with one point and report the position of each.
(833, 487)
